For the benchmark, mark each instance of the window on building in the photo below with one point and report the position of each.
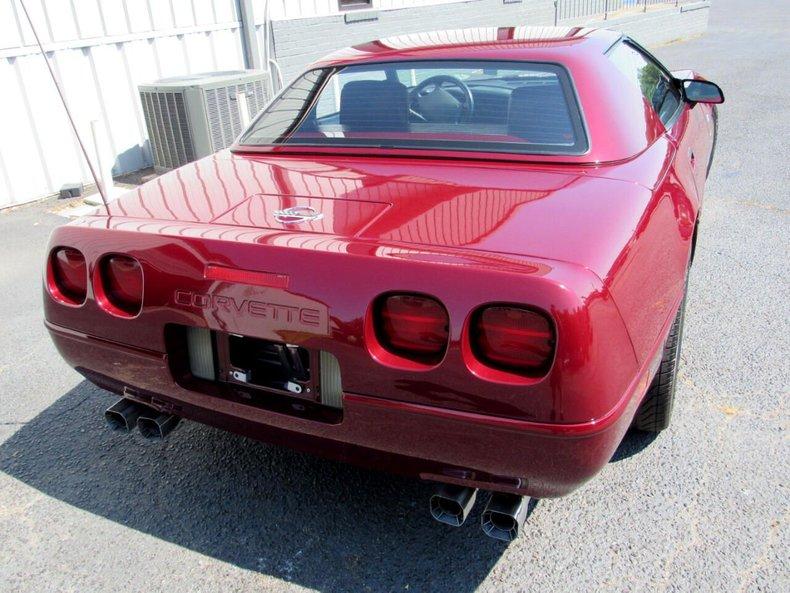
(352, 4)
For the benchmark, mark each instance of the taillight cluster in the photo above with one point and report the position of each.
(414, 326)
(117, 281)
(512, 339)
(118, 284)
(67, 276)
(413, 330)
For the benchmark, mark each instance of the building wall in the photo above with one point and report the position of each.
(289, 9)
(102, 49)
(297, 42)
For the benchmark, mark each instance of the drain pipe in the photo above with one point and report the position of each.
(249, 40)
(270, 61)
(266, 43)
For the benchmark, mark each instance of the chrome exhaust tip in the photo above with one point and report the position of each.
(451, 504)
(123, 414)
(156, 425)
(504, 516)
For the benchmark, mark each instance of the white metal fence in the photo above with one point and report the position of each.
(573, 9)
(101, 50)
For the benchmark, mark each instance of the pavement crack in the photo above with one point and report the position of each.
(762, 559)
(693, 538)
(758, 205)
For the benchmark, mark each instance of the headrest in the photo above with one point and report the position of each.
(539, 114)
(374, 105)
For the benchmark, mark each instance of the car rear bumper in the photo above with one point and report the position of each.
(502, 454)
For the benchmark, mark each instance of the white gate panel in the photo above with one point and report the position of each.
(18, 141)
(172, 59)
(61, 20)
(9, 27)
(200, 52)
(51, 127)
(183, 14)
(88, 17)
(227, 44)
(120, 111)
(139, 16)
(162, 14)
(113, 17)
(100, 50)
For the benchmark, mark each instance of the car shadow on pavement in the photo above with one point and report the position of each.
(633, 442)
(323, 525)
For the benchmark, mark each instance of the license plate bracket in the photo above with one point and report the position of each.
(271, 366)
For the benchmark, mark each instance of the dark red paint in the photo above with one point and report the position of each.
(600, 242)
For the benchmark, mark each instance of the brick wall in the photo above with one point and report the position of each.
(297, 42)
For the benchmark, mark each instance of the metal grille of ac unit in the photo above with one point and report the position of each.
(168, 129)
(224, 121)
(192, 116)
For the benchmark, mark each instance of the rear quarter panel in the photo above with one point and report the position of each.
(647, 280)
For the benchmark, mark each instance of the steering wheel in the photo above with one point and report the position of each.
(430, 102)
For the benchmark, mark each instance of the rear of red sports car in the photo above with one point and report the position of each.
(456, 261)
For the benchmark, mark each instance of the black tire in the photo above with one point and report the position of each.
(715, 140)
(655, 411)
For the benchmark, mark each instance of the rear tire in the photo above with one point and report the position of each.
(655, 411)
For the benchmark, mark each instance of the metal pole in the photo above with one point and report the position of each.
(249, 40)
(66, 107)
(105, 168)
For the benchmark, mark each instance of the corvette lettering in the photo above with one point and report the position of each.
(273, 311)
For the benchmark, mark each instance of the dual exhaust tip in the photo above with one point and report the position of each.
(502, 519)
(125, 414)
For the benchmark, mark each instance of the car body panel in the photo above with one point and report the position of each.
(174, 258)
(431, 442)
(599, 242)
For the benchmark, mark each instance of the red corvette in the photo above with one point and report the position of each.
(460, 256)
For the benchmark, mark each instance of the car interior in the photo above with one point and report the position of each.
(493, 106)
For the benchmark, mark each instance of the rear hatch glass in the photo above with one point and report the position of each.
(513, 107)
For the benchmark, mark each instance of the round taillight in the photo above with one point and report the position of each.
(120, 286)
(413, 326)
(513, 339)
(67, 276)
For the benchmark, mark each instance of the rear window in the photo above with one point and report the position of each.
(513, 107)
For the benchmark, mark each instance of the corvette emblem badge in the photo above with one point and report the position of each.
(297, 215)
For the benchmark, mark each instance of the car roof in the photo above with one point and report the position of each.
(505, 43)
(619, 122)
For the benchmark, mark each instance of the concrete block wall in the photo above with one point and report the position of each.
(298, 42)
(657, 27)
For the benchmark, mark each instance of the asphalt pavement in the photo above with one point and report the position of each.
(702, 507)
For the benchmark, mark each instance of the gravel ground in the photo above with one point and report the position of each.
(703, 507)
